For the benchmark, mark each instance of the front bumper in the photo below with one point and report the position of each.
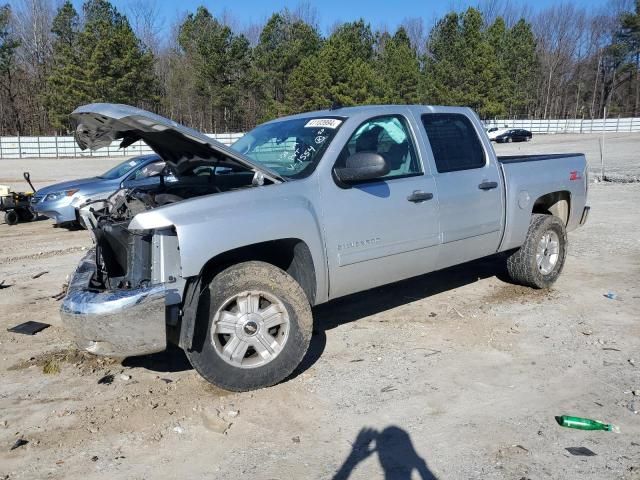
(118, 323)
(60, 211)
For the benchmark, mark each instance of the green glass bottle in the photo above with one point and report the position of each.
(585, 424)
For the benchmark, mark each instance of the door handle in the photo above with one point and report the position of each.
(419, 196)
(488, 185)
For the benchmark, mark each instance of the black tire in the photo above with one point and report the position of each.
(239, 278)
(522, 265)
(509, 139)
(11, 217)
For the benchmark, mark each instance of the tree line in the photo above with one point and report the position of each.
(210, 74)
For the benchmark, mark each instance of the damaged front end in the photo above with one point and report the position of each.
(127, 289)
(126, 293)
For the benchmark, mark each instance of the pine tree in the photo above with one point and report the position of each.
(309, 86)
(479, 67)
(341, 72)
(8, 48)
(284, 42)
(629, 36)
(103, 62)
(442, 63)
(66, 83)
(219, 63)
(461, 67)
(498, 39)
(399, 69)
(522, 68)
(117, 68)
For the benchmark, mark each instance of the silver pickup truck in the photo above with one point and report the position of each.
(227, 260)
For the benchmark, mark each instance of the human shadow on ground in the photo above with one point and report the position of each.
(396, 454)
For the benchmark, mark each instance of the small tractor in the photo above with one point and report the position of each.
(17, 205)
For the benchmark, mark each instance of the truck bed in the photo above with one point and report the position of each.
(534, 158)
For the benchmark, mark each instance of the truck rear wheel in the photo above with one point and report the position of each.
(258, 328)
(539, 261)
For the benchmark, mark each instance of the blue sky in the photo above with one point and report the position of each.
(379, 13)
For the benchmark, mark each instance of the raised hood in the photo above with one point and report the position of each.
(97, 125)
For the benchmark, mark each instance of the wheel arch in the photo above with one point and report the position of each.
(292, 255)
(555, 203)
(289, 254)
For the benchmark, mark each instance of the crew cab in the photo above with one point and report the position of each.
(227, 260)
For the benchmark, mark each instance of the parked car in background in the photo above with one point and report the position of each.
(514, 135)
(227, 260)
(494, 131)
(60, 201)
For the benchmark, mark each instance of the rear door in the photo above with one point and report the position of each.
(469, 188)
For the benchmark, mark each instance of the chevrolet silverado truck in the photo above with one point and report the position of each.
(228, 258)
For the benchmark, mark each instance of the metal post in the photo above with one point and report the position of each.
(39, 154)
(19, 148)
(55, 139)
(618, 124)
(1, 148)
(604, 119)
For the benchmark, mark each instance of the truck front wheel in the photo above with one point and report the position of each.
(258, 328)
(539, 261)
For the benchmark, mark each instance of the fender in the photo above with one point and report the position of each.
(211, 225)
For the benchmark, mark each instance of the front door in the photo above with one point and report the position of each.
(384, 230)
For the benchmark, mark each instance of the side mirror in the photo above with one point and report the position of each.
(362, 166)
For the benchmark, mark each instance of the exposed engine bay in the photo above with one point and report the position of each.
(123, 256)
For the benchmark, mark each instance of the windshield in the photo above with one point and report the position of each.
(122, 169)
(291, 148)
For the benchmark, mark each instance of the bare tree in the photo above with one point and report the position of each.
(414, 26)
(559, 30)
(32, 20)
(147, 23)
(307, 13)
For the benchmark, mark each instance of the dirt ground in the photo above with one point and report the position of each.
(456, 374)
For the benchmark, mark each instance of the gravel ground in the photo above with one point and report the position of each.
(455, 374)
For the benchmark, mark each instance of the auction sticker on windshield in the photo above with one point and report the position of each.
(323, 122)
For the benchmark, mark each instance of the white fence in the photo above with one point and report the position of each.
(56, 147)
(572, 125)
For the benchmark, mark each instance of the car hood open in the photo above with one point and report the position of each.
(97, 125)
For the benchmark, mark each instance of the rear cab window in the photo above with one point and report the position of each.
(454, 142)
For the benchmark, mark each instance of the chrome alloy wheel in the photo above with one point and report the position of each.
(548, 252)
(250, 329)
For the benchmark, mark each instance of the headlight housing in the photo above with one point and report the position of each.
(51, 197)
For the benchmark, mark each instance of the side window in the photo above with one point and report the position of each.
(389, 136)
(150, 170)
(454, 142)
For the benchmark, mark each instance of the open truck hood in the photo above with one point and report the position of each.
(97, 125)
